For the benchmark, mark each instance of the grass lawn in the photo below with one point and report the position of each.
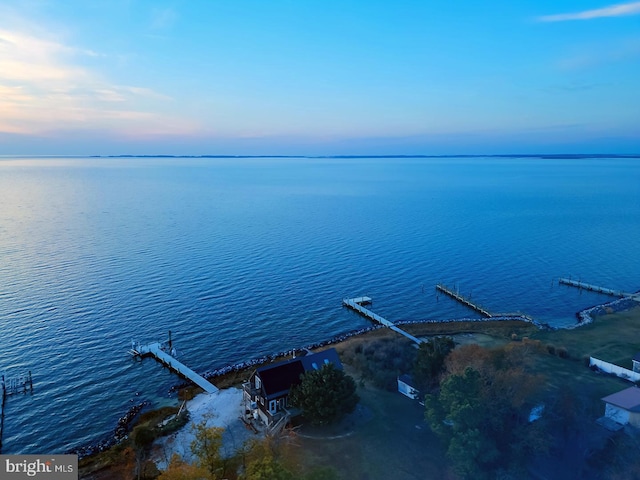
(486, 341)
(613, 338)
(497, 328)
(573, 374)
(390, 441)
(394, 442)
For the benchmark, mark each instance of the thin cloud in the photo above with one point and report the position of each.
(592, 56)
(45, 86)
(575, 87)
(164, 18)
(618, 10)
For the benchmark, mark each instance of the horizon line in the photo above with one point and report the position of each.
(474, 155)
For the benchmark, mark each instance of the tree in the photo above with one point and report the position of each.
(458, 415)
(206, 447)
(269, 457)
(142, 437)
(178, 469)
(481, 411)
(472, 355)
(267, 468)
(325, 395)
(430, 360)
(321, 473)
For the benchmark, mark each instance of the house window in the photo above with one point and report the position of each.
(257, 382)
(272, 406)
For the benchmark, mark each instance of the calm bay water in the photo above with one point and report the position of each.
(244, 257)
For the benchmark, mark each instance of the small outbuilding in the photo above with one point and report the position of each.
(636, 362)
(624, 407)
(406, 386)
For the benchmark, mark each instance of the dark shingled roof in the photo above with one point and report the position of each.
(629, 399)
(278, 378)
(636, 357)
(320, 358)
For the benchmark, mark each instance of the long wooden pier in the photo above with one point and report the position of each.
(356, 304)
(595, 288)
(157, 351)
(465, 301)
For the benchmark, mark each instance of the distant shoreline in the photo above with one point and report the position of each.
(547, 156)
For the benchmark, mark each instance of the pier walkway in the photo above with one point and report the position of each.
(597, 289)
(156, 350)
(356, 304)
(9, 386)
(465, 301)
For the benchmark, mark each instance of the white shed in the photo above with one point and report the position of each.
(407, 387)
(624, 407)
(636, 362)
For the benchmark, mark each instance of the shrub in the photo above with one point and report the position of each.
(551, 349)
(562, 352)
(380, 361)
(532, 343)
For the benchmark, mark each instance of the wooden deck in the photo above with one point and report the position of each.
(356, 304)
(157, 351)
(362, 300)
(463, 300)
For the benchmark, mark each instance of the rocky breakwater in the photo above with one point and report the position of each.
(587, 315)
(256, 362)
(120, 432)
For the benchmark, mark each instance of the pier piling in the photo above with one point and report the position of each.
(594, 288)
(465, 301)
(4, 397)
(12, 385)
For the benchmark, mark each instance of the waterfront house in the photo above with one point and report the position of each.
(624, 407)
(266, 394)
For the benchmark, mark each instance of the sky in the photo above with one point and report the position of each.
(291, 77)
